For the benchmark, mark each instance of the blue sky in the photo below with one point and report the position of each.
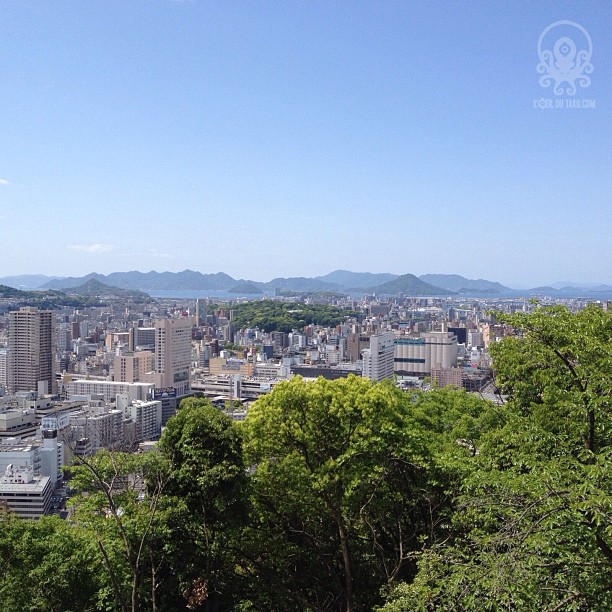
(272, 139)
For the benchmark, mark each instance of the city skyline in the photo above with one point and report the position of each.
(271, 140)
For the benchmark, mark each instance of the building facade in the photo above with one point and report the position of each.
(378, 360)
(31, 350)
(417, 356)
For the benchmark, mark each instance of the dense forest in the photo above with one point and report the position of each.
(271, 315)
(351, 496)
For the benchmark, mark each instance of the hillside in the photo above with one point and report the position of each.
(94, 287)
(460, 284)
(358, 280)
(409, 284)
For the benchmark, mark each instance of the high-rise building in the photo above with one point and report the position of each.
(378, 359)
(173, 355)
(31, 350)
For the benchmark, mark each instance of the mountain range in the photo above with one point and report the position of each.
(340, 281)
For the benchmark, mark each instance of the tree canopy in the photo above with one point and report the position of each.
(533, 524)
(271, 315)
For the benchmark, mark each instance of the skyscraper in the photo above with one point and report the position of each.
(31, 350)
(173, 354)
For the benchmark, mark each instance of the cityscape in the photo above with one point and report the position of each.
(305, 306)
(111, 373)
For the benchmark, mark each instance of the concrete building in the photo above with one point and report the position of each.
(173, 355)
(475, 339)
(101, 425)
(3, 367)
(355, 344)
(24, 494)
(417, 356)
(46, 457)
(133, 367)
(147, 417)
(17, 422)
(219, 366)
(445, 377)
(249, 388)
(143, 338)
(83, 388)
(31, 350)
(14, 451)
(378, 360)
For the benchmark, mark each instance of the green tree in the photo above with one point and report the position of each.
(47, 565)
(342, 492)
(206, 498)
(533, 525)
(121, 506)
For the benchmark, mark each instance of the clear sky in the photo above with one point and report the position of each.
(290, 138)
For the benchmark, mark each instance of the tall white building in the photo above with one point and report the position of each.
(31, 351)
(378, 360)
(173, 355)
(147, 417)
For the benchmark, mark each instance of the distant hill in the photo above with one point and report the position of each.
(409, 284)
(298, 283)
(338, 281)
(94, 287)
(50, 299)
(246, 289)
(358, 280)
(460, 284)
(71, 281)
(11, 292)
(27, 281)
(151, 281)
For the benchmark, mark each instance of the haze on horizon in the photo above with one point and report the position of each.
(270, 139)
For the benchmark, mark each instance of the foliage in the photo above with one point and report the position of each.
(206, 499)
(121, 507)
(347, 495)
(271, 315)
(345, 491)
(533, 525)
(47, 565)
(50, 300)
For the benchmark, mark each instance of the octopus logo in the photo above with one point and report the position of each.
(565, 50)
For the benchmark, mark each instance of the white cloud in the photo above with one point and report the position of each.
(92, 248)
(3, 182)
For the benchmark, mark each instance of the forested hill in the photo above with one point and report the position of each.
(270, 315)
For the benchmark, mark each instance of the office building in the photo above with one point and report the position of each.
(24, 494)
(3, 367)
(107, 390)
(133, 367)
(173, 355)
(378, 359)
